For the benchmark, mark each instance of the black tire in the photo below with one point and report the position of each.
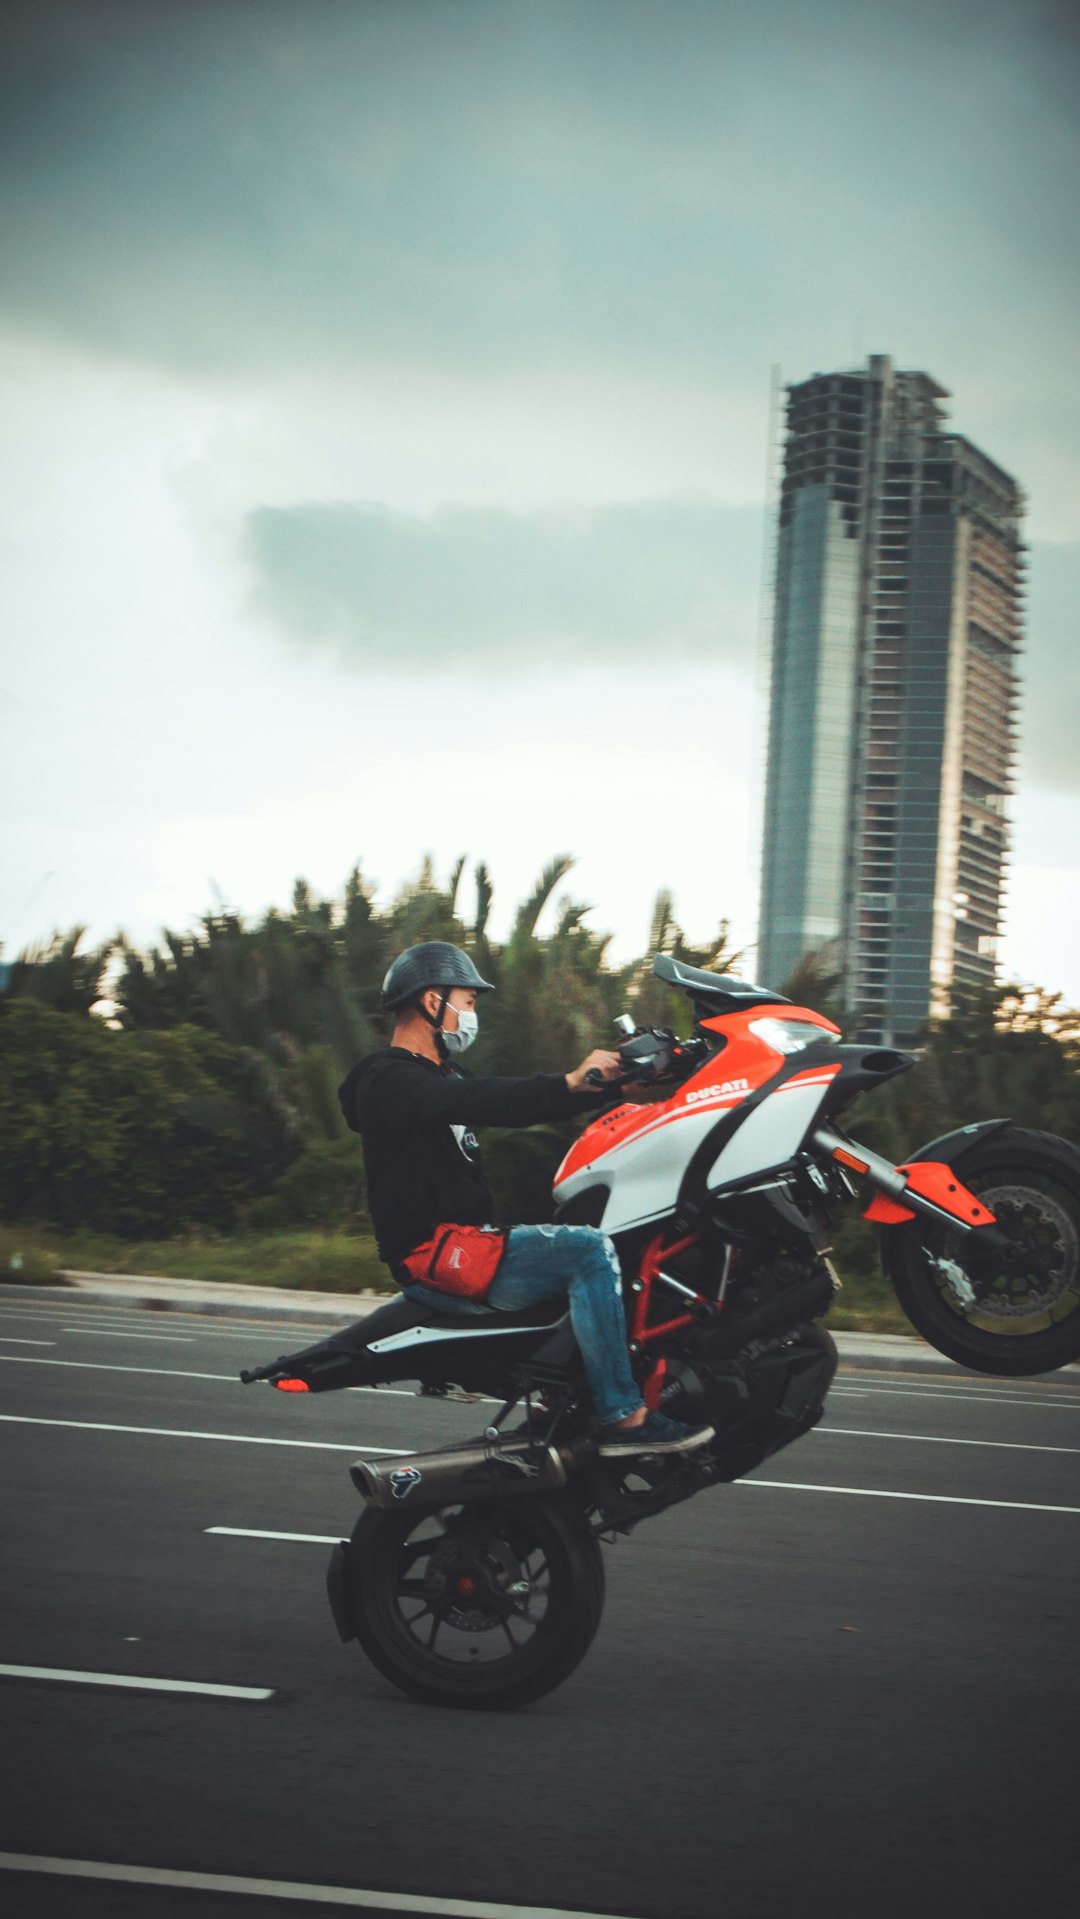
(415, 1578)
(1028, 1322)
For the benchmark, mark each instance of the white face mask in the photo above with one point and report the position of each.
(467, 1028)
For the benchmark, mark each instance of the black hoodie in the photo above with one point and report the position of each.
(421, 1155)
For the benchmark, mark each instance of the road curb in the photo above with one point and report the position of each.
(859, 1352)
(151, 1293)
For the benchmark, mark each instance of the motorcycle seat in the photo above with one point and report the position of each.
(398, 1315)
(545, 1313)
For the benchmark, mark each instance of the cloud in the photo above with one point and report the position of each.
(614, 583)
(229, 186)
(624, 584)
(398, 195)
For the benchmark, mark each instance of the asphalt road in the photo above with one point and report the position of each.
(805, 1698)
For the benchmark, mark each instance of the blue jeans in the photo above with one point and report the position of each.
(577, 1262)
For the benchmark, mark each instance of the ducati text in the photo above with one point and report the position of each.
(695, 1094)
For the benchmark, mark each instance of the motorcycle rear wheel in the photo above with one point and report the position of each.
(1029, 1319)
(484, 1606)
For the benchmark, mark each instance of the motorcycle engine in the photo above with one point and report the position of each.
(757, 1401)
(758, 1372)
(719, 1393)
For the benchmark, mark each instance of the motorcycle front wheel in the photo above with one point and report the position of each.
(1028, 1319)
(484, 1606)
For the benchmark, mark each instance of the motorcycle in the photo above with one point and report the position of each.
(474, 1575)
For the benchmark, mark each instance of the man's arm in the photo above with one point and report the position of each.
(408, 1094)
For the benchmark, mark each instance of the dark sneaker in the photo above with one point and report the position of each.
(656, 1434)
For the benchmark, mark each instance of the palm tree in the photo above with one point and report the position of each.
(57, 974)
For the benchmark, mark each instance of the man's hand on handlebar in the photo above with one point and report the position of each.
(594, 1070)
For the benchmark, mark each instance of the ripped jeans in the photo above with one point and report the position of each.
(546, 1262)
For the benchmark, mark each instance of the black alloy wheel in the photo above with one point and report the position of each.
(483, 1605)
(1027, 1320)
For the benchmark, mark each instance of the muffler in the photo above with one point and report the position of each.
(477, 1471)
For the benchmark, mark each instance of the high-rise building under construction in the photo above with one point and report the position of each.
(897, 623)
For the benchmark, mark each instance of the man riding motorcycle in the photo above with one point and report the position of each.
(432, 1208)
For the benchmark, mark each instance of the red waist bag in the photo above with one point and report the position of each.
(458, 1259)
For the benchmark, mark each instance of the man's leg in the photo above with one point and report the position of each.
(442, 1302)
(542, 1262)
(580, 1263)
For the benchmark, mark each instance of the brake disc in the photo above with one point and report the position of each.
(466, 1610)
(1028, 1215)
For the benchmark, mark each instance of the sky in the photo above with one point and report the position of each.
(386, 439)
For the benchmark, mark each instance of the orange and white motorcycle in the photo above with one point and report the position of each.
(982, 1239)
(473, 1576)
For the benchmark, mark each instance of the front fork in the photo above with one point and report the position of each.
(930, 1188)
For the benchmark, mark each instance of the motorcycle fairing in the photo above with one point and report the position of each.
(643, 1174)
(847, 1072)
(931, 1180)
(929, 1173)
(412, 1336)
(641, 1153)
(742, 1063)
(772, 1132)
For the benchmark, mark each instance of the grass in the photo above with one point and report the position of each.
(867, 1305)
(330, 1262)
(303, 1261)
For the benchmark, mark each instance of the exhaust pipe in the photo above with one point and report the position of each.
(476, 1471)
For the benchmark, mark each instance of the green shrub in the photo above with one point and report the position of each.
(132, 1133)
(324, 1187)
(25, 1262)
(520, 1165)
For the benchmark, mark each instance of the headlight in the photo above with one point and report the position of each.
(787, 1035)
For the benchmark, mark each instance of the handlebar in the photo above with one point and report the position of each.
(651, 1053)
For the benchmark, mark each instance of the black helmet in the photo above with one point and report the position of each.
(432, 963)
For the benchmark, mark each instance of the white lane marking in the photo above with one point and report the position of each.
(121, 1332)
(171, 1372)
(243, 1339)
(934, 1439)
(198, 1331)
(932, 1499)
(1050, 1385)
(102, 1366)
(263, 1332)
(167, 1372)
(196, 1323)
(262, 1336)
(136, 1683)
(249, 1532)
(7, 1340)
(943, 1392)
(959, 1386)
(403, 1392)
(93, 1315)
(313, 1895)
(356, 1447)
(943, 1375)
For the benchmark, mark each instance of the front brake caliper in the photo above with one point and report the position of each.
(956, 1280)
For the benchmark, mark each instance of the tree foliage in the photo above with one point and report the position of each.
(132, 1133)
(217, 1071)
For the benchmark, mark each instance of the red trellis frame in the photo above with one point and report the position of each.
(652, 1259)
